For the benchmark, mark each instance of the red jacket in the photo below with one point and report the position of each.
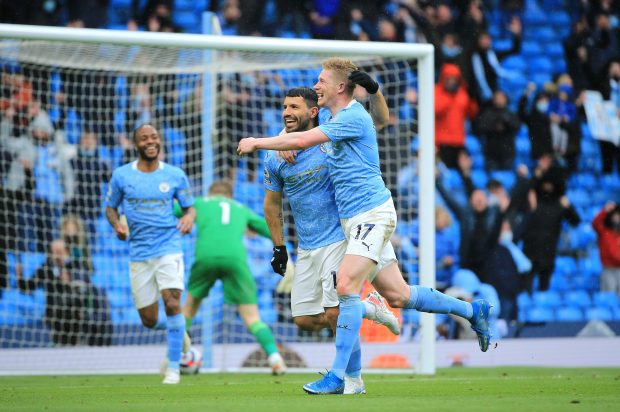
(608, 242)
(451, 110)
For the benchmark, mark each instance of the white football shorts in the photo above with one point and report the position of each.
(149, 277)
(368, 234)
(314, 284)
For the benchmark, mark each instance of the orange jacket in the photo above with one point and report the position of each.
(451, 109)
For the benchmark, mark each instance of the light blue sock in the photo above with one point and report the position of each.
(426, 299)
(354, 367)
(347, 331)
(176, 330)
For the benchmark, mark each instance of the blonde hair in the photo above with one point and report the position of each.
(342, 68)
(221, 188)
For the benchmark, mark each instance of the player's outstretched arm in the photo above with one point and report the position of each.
(186, 222)
(122, 231)
(289, 141)
(272, 205)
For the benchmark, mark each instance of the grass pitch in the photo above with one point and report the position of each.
(459, 389)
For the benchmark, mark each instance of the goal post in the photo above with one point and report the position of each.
(105, 82)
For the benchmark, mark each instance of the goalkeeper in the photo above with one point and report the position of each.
(220, 254)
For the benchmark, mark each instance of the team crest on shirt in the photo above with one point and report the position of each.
(164, 187)
(325, 147)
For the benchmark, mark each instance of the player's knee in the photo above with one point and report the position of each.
(148, 321)
(304, 322)
(396, 300)
(173, 307)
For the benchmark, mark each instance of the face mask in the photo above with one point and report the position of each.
(452, 88)
(88, 152)
(505, 237)
(450, 51)
(542, 106)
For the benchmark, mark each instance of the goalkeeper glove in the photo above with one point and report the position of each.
(364, 80)
(279, 259)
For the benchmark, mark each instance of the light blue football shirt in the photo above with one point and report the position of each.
(310, 193)
(148, 204)
(353, 159)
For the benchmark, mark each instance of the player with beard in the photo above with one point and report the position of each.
(146, 190)
(322, 245)
(367, 215)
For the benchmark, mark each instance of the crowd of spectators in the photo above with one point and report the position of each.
(507, 237)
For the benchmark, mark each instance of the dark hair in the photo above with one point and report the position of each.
(135, 131)
(607, 221)
(493, 184)
(306, 93)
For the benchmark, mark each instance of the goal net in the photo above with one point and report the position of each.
(68, 110)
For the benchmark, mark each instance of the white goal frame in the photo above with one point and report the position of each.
(426, 127)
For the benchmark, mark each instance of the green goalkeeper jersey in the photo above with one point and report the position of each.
(221, 223)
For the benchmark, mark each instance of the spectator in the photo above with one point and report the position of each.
(565, 127)
(537, 120)
(486, 63)
(479, 223)
(498, 126)
(322, 15)
(88, 13)
(503, 269)
(603, 45)
(53, 178)
(576, 55)
(446, 247)
(64, 301)
(89, 173)
(607, 226)
(470, 22)
(152, 9)
(360, 20)
(549, 207)
(610, 89)
(453, 106)
(73, 233)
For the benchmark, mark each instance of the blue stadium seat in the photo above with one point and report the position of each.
(577, 299)
(501, 45)
(524, 300)
(546, 299)
(480, 178)
(555, 51)
(585, 181)
(543, 34)
(451, 179)
(616, 313)
(515, 63)
(565, 265)
(560, 283)
(559, 18)
(478, 163)
(541, 78)
(523, 146)
(188, 20)
(611, 182)
(540, 65)
(569, 314)
(536, 314)
(534, 17)
(598, 313)
(579, 198)
(531, 49)
(506, 177)
(606, 299)
(472, 144)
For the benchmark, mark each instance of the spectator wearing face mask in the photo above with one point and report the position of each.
(607, 226)
(89, 172)
(565, 128)
(610, 89)
(453, 106)
(537, 120)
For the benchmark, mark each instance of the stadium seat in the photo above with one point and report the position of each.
(579, 198)
(577, 299)
(500, 45)
(565, 265)
(536, 314)
(610, 182)
(480, 178)
(540, 78)
(606, 299)
(534, 17)
(530, 49)
(569, 314)
(546, 299)
(507, 178)
(472, 144)
(543, 34)
(540, 65)
(515, 63)
(524, 300)
(560, 283)
(598, 313)
(478, 164)
(523, 146)
(555, 51)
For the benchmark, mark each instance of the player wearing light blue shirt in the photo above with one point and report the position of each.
(368, 223)
(146, 190)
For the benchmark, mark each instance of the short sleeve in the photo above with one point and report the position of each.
(345, 126)
(272, 179)
(114, 196)
(183, 193)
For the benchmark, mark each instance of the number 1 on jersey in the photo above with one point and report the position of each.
(225, 212)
